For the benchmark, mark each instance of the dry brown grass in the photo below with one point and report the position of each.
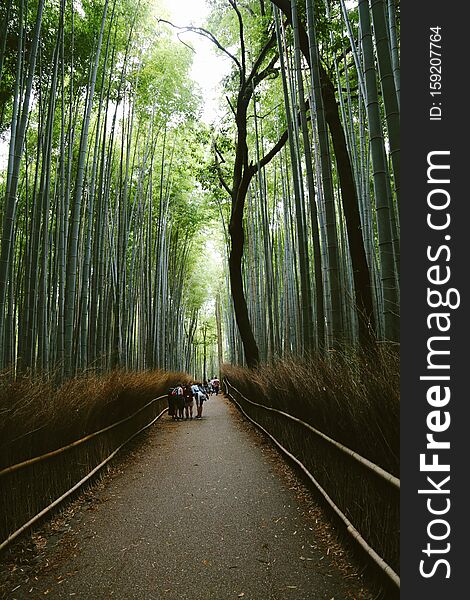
(353, 398)
(350, 396)
(37, 417)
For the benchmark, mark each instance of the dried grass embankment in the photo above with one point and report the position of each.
(354, 399)
(37, 417)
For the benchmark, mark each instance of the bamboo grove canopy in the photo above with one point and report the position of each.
(135, 234)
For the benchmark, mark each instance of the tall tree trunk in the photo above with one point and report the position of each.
(379, 164)
(12, 186)
(349, 198)
(387, 84)
(241, 182)
(319, 292)
(3, 38)
(218, 318)
(71, 273)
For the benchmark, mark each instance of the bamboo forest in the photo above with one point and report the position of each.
(166, 219)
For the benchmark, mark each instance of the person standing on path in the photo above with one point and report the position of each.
(200, 398)
(179, 402)
(188, 401)
(172, 404)
(195, 389)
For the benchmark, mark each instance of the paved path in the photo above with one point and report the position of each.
(202, 514)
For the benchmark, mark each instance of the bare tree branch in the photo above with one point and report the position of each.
(268, 70)
(178, 35)
(233, 4)
(270, 111)
(231, 106)
(208, 35)
(217, 156)
(279, 144)
(254, 168)
(262, 55)
(247, 8)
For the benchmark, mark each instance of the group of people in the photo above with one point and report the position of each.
(181, 399)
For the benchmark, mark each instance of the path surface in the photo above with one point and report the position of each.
(202, 513)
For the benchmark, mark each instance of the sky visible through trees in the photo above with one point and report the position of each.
(189, 183)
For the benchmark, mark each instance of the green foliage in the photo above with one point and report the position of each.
(155, 168)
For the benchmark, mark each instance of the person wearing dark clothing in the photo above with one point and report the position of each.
(179, 395)
(171, 404)
(199, 397)
(188, 401)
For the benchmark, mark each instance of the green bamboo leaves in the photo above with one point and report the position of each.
(98, 218)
